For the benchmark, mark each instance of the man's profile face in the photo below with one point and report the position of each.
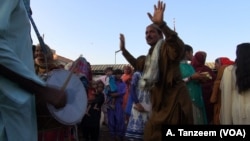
(152, 36)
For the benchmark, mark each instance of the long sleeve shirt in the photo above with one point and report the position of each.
(17, 106)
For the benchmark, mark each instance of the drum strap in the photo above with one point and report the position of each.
(40, 39)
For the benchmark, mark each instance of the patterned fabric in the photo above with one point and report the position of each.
(151, 70)
(82, 68)
(137, 120)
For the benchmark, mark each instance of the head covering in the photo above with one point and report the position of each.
(128, 68)
(199, 59)
(157, 28)
(225, 61)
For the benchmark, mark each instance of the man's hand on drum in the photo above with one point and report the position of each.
(54, 96)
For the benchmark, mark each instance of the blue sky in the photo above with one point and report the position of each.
(92, 27)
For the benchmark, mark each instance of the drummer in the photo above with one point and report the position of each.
(45, 63)
(18, 81)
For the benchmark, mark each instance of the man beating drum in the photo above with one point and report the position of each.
(18, 81)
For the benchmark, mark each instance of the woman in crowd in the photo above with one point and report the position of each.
(127, 102)
(220, 64)
(91, 122)
(235, 89)
(198, 62)
(192, 79)
(116, 122)
(141, 104)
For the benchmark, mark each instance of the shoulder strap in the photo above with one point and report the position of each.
(40, 39)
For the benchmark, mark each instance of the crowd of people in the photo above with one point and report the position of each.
(170, 85)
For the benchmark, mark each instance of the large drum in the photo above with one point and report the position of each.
(48, 116)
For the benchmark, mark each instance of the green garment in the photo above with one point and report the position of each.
(195, 91)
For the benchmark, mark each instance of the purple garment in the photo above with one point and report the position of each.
(116, 119)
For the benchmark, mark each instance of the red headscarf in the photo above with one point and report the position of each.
(225, 61)
(199, 59)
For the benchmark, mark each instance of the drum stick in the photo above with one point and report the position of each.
(66, 81)
(70, 74)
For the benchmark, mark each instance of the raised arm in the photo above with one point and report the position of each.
(174, 43)
(130, 58)
(157, 18)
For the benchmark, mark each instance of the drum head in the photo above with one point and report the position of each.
(76, 105)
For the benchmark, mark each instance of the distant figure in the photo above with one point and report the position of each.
(44, 62)
(91, 123)
(49, 128)
(220, 64)
(192, 79)
(82, 68)
(198, 62)
(127, 103)
(116, 124)
(92, 93)
(141, 107)
(110, 87)
(235, 89)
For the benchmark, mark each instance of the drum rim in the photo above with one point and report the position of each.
(53, 110)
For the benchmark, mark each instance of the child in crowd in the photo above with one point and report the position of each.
(91, 124)
(110, 87)
(92, 92)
